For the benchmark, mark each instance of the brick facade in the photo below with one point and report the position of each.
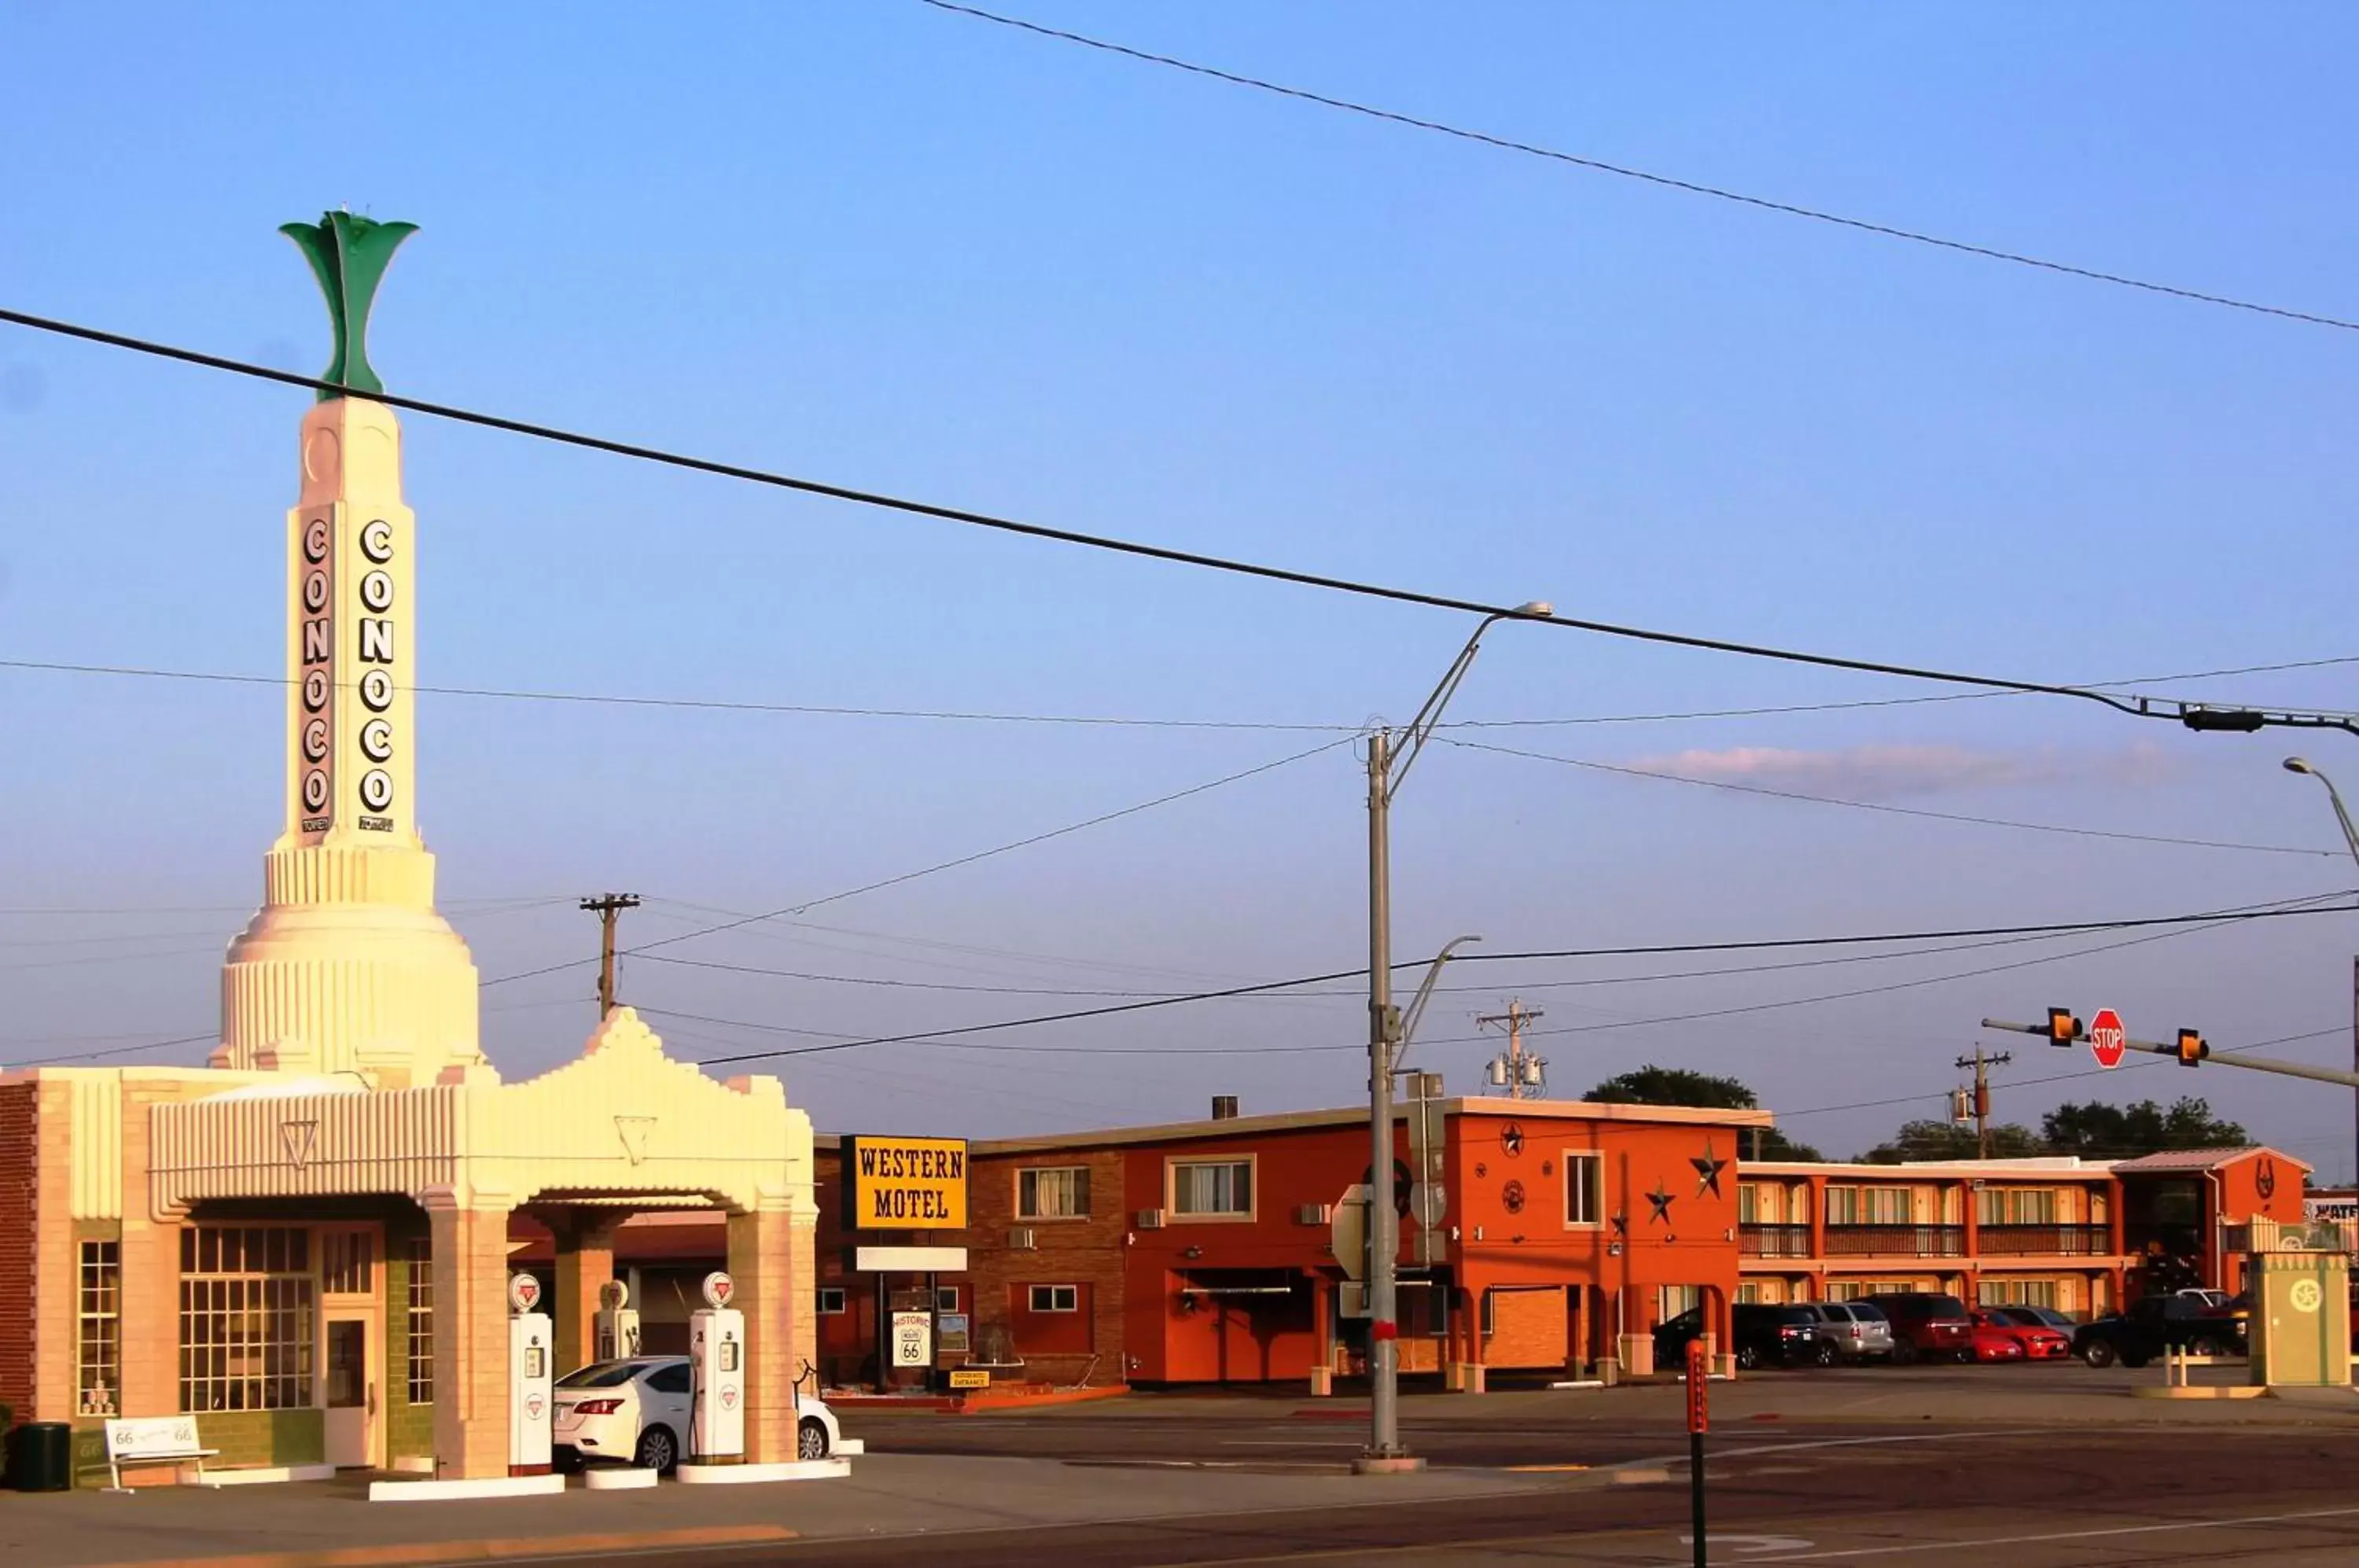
(19, 1260)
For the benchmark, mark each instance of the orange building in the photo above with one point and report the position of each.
(1206, 1251)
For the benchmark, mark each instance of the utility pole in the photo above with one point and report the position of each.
(1387, 768)
(1982, 1065)
(608, 907)
(1508, 1068)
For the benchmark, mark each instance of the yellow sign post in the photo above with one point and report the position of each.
(906, 1183)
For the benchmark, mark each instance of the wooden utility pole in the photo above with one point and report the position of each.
(1982, 1065)
(1510, 1066)
(608, 907)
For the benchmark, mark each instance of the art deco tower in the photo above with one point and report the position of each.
(347, 966)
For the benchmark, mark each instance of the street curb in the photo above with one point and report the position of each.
(428, 1553)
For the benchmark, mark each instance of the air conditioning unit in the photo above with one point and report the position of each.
(1314, 1214)
(1150, 1219)
(1020, 1239)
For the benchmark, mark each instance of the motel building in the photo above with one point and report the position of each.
(305, 1243)
(1227, 1250)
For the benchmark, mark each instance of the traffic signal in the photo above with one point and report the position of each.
(2063, 1028)
(2192, 1048)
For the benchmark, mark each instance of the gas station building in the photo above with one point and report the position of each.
(305, 1243)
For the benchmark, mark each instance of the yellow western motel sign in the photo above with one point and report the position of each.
(906, 1184)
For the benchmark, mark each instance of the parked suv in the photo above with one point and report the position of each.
(1926, 1327)
(1852, 1331)
(1764, 1335)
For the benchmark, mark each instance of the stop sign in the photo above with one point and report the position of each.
(2106, 1037)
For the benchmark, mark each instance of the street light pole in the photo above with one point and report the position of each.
(1388, 766)
(2350, 837)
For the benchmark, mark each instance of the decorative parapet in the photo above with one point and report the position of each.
(623, 1121)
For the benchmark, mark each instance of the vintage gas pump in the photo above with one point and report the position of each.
(616, 1328)
(531, 1338)
(716, 1352)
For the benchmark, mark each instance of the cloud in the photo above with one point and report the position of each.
(1884, 772)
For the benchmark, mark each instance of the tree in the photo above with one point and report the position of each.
(1950, 1140)
(2099, 1131)
(1652, 1085)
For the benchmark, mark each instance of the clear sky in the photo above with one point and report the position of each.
(882, 245)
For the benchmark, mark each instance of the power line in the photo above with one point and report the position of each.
(1730, 785)
(2339, 1030)
(2200, 922)
(1665, 182)
(2168, 709)
(896, 881)
(2189, 925)
(1116, 721)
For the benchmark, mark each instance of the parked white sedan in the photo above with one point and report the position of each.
(636, 1412)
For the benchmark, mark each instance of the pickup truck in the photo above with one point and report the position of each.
(2152, 1324)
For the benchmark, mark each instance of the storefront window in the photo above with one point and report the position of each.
(246, 1318)
(100, 1340)
(420, 1312)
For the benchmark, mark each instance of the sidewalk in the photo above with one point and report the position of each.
(331, 1524)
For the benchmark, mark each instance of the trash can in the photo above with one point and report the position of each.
(40, 1457)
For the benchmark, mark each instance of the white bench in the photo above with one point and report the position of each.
(154, 1439)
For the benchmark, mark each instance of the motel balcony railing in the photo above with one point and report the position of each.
(1773, 1240)
(2044, 1240)
(1895, 1241)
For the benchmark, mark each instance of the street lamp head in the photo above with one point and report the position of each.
(1539, 608)
(2297, 765)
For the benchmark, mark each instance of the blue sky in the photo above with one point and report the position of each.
(885, 246)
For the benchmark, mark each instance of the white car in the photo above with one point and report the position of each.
(636, 1412)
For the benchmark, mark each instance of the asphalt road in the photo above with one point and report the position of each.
(1822, 1486)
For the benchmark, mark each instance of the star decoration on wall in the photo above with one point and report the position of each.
(1662, 1203)
(1621, 1223)
(1709, 1166)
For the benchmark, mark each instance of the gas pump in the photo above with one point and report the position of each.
(531, 1338)
(716, 1352)
(616, 1328)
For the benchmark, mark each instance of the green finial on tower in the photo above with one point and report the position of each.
(348, 255)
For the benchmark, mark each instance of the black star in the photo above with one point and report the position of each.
(1621, 1223)
(1708, 1167)
(1511, 1141)
(1662, 1202)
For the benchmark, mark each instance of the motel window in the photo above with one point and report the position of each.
(1748, 1295)
(418, 1314)
(2016, 1292)
(1584, 1187)
(1868, 1205)
(1054, 1192)
(1056, 1298)
(946, 1298)
(830, 1299)
(1671, 1300)
(1749, 1202)
(2015, 1206)
(246, 1318)
(1202, 1187)
(98, 1341)
(1845, 1289)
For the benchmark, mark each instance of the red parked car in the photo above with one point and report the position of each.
(1926, 1326)
(2036, 1341)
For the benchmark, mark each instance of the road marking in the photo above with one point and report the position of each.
(1287, 1443)
(1749, 1543)
(2064, 1535)
(416, 1554)
(1544, 1469)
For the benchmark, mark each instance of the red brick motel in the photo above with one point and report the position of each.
(1204, 1251)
